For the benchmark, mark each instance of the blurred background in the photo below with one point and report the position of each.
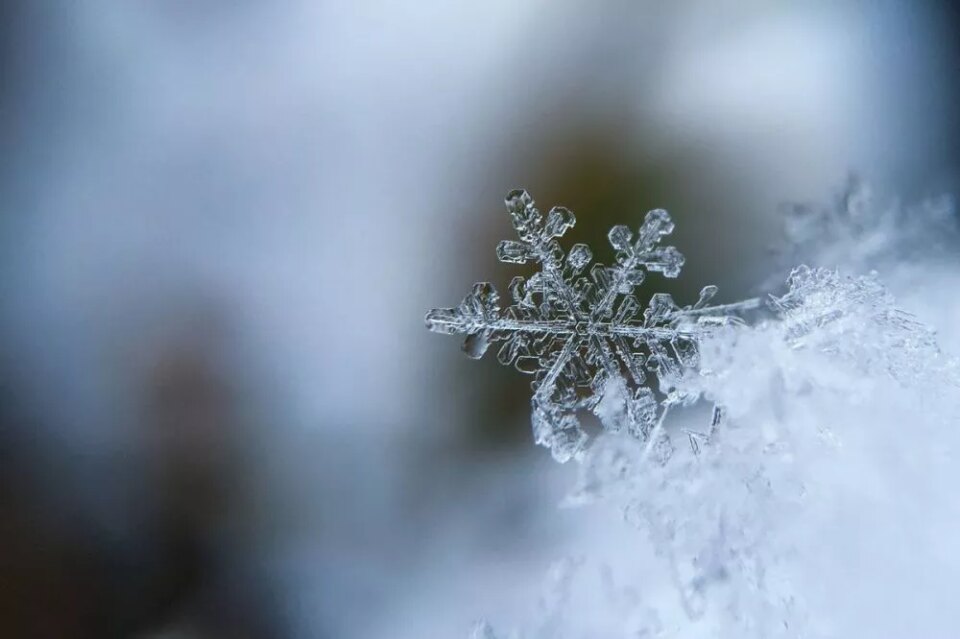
(222, 222)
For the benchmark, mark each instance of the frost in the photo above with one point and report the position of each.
(582, 333)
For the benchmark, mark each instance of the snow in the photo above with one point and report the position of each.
(823, 503)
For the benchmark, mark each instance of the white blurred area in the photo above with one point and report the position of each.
(271, 194)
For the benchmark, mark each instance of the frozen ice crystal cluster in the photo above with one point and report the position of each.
(580, 330)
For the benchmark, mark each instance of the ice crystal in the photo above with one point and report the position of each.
(582, 333)
(856, 319)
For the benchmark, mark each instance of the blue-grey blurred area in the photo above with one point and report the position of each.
(222, 223)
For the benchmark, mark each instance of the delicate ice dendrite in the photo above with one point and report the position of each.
(582, 332)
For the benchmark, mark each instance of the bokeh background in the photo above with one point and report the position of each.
(222, 223)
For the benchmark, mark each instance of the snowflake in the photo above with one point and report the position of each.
(586, 338)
